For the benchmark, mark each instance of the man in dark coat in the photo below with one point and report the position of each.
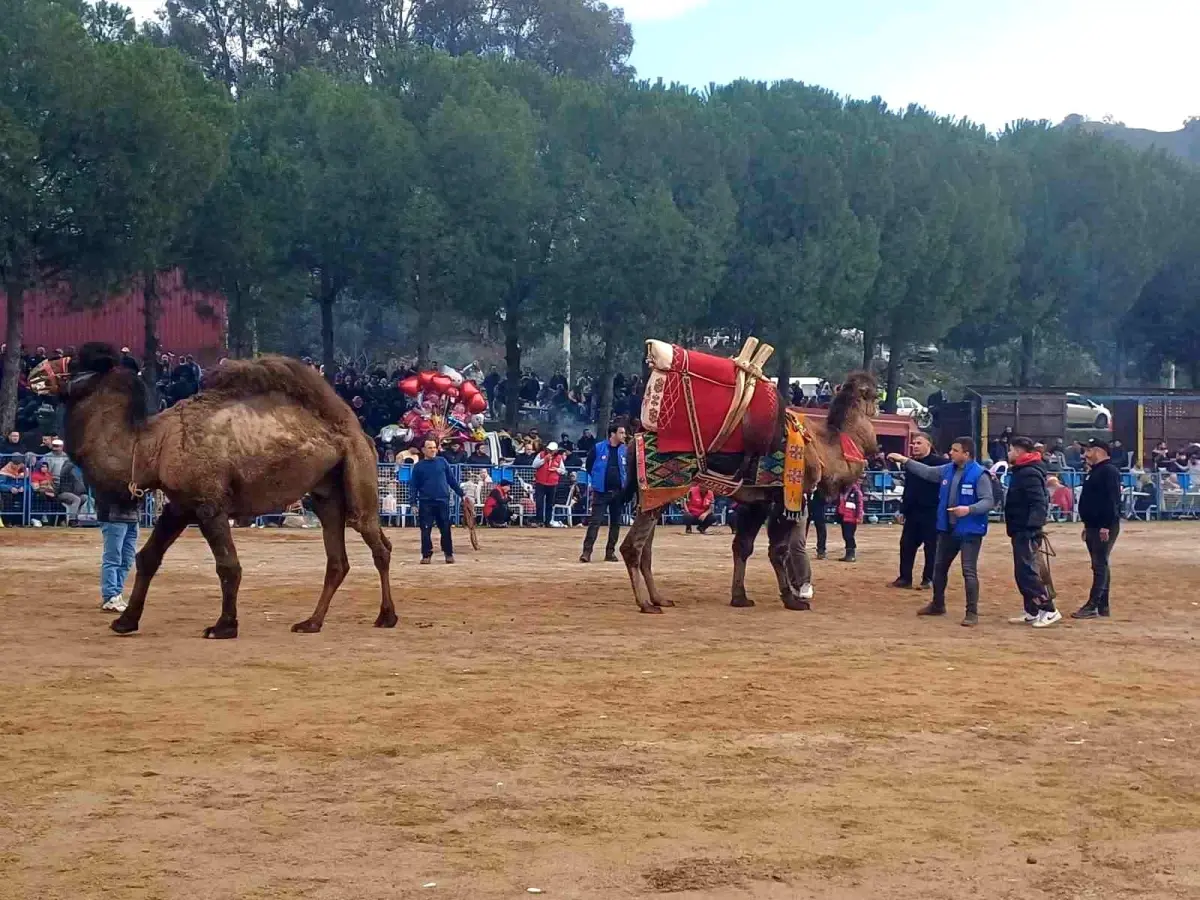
(918, 514)
(1026, 506)
(1100, 510)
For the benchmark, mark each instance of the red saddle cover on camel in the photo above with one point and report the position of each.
(713, 382)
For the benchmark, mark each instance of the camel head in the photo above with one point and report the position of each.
(859, 393)
(49, 377)
(73, 380)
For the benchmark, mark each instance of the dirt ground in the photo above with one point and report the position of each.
(524, 727)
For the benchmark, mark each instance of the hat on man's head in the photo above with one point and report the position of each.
(1096, 442)
(57, 442)
(552, 447)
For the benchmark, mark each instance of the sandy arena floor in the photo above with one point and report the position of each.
(525, 728)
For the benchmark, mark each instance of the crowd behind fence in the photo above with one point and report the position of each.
(1146, 495)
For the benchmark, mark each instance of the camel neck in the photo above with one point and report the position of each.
(101, 439)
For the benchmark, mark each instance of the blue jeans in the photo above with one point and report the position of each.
(120, 548)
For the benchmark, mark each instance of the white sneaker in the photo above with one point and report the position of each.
(1046, 618)
(115, 604)
(806, 591)
(1023, 619)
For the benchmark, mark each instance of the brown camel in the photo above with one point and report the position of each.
(825, 466)
(259, 437)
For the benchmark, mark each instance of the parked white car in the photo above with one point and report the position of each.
(1085, 413)
(910, 406)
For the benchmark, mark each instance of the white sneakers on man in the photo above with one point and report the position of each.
(1046, 618)
(115, 604)
(1023, 619)
(806, 591)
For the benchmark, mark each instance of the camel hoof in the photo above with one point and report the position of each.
(384, 621)
(794, 603)
(742, 602)
(653, 610)
(308, 626)
(220, 632)
(121, 626)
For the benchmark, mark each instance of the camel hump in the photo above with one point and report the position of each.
(278, 375)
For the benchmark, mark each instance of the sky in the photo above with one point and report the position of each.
(993, 61)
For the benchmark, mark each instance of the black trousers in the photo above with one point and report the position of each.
(612, 504)
(1100, 550)
(919, 531)
(848, 530)
(702, 523)
(1027, 573)
(949, 547)
(430, 513)
(816, 518)
(543, 502)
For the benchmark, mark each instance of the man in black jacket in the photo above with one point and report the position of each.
(1025, 507)
(918, 515)
(1100, 510)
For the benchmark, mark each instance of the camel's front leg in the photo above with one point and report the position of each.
(647, 575)
(170, 525)
(632, 548)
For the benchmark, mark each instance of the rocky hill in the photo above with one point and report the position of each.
(1184, 143)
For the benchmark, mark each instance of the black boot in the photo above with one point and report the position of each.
(926, 584)
(1087, 611)
(932, 609)
(900, 583)
(849, 557)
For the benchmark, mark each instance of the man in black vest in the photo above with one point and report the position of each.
(918, 514)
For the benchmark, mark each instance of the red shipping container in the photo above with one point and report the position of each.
(190, 321)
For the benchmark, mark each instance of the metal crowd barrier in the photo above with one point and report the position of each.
(1148, 496)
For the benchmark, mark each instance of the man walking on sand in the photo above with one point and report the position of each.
(1026, 506)
(964, 501)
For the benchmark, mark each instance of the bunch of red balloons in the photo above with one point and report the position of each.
(446, 383)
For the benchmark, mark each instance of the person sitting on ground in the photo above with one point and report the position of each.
(496, 511)
(699, 509)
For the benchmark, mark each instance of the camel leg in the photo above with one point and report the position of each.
(648, 575)
(750, 519)
(170, 525)
(781, 532)
(631, 551)
(219, 535)
(381, 553)
(331, 511)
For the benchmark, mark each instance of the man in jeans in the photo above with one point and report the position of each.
(964, 501)
(1026, 506)
(607, 466)
(431, 483)
(1100, 510)
(118, 518)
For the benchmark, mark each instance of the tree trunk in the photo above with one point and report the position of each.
(784, 360)
(604, 386)
(1025, 362)
(236, 339)
(424, 325)
(512, 357)
(13, 331)
(151, 307)
(893, 376)
(869, 342)
(328, 295)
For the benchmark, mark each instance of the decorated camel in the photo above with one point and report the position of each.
(259, 437)
(718, 422)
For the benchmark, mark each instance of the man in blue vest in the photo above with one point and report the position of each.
(607, 466)
(964, 500)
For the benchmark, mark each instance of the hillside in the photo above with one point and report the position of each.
(1184, 143)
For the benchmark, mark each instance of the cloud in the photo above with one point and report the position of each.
(657, 10)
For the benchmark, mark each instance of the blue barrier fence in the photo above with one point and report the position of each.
(1148, 496)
